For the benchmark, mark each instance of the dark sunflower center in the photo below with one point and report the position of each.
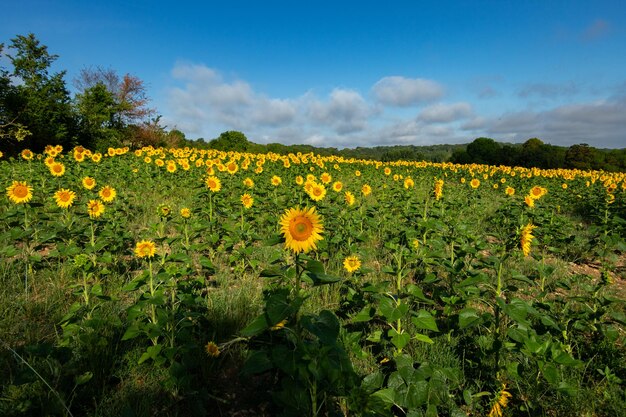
(20, 191)
(300, 228)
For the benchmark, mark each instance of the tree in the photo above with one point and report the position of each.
(9, 127)
(129, 92)
(231, 141)
(96, 107)
(483, 151)
(580, 156)
(40, 102)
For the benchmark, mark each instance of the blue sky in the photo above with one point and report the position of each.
(363, 73)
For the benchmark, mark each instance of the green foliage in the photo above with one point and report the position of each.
(41, 102)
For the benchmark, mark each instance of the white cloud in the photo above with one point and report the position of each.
(345, 111)
(402, 92)
(601, 123)
(203, 103)
(444, 113)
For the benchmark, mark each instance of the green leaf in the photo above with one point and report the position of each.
(257, 326)
(387, 395)
(425, 320)
(399, 340)
(325, 326)
(365, 314)
(423, 338)
(468, 317)
(417, 292)
(132, 332)
(392, 310)
(151, 352)
(83, 378)
(314, 266)
(550, 373)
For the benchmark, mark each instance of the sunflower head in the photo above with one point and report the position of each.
(475, 183)
(164, 211)
(366, 190)
(185, 212)
(64, 198)
(89, 183)
(95, 208)
(212, 349)
(57, 169)
(526, 238)
(301, 228)
(349, 197)
(317, 192)
(20, 192)
(145, 249)
(352, 264)
(276, 181)
(213, 183)
(247, 200)
(107, 193)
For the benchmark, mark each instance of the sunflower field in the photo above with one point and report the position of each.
(205, 283)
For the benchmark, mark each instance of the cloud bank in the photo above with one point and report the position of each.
(395, 110)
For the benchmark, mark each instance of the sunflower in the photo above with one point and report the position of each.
(537, 192)
(96, 157)
(171, 167)
(214, 184)
(438, 189)
(409, 183)
(509, 191)
(280, 325)
(326, 178)
(500, 402)
(357, 173)
(366, 190)
(79, 156)
(276, 181)
(301, 229)
(317, 192)
(248, 182)
(89, 183)
(95, 208)
(349, 197)
(145, 249)
(164, 211)
(299, 180)
(20, 192)
(475, 183)
(64, 198)
(57, 169)
(185, 212)
(527, 238)
(352, 263)
(212, 349)
(159, 162)
(232, 168)
(27, 154)
(530, 202)
(247, 200)
(107, 193)
(337, 186)
(147, 160)
(387, 171)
